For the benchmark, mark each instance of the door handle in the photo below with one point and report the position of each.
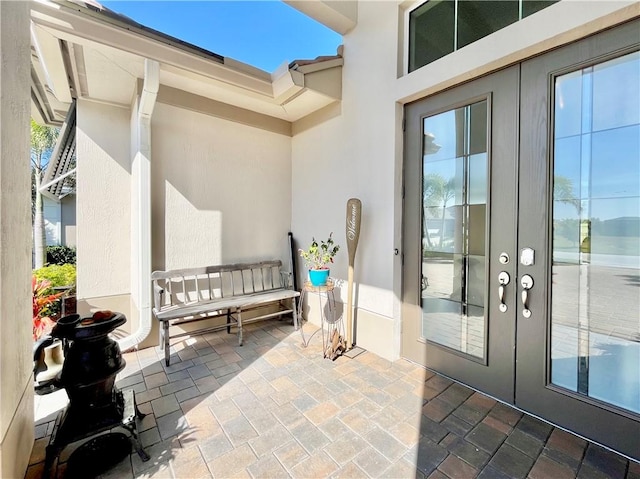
(503, 279)
(527, 283)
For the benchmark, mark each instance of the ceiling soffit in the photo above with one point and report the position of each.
(340, 16)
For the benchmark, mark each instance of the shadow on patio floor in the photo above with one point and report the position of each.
(273, 408)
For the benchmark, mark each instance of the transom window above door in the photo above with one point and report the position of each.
(440, 27)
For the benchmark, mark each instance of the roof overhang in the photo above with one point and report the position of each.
(57, 181)
(341, 16)
(82, 51)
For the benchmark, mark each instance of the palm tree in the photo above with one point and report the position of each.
(563, 192)
(437, 191)
(569, 228)
(43, 140)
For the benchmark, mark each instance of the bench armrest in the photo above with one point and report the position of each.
(287, 279)
(158, 293)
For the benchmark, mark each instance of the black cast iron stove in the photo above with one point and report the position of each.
(92, 361)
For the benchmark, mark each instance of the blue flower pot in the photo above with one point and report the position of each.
(318, 277)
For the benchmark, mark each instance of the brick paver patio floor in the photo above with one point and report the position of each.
(273, 408)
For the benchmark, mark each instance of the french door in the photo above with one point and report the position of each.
(522, 236)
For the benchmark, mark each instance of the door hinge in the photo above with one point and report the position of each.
(404, 124)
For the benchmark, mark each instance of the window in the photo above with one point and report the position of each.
(440, 27)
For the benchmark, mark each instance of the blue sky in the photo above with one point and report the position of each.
(261, 33)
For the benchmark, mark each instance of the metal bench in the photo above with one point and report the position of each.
(184, 296)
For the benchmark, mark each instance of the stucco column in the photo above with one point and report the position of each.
(16, 385)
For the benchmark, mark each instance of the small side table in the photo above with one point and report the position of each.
(334, 325)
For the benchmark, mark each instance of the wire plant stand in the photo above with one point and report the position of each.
(333, 339)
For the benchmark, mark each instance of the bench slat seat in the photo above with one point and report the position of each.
(245, 301)
(196, 294)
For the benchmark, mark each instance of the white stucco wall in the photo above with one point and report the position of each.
(60, 220)
(52, 220)
(16, 363)
(221, 190)
(358, 152)
(103, 201)
(68, 220)
(353, 155)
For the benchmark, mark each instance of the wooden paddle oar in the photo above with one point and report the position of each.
(354, 212)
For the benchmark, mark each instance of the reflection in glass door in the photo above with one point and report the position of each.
(595, 324)
(459, 153)
(454, 194)
(540, 158)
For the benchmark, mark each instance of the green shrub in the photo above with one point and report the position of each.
(61, 255)
(585, 247)
(57, 274)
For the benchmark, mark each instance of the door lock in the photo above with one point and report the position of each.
(503, 279)
(527, 283)
(527, 257)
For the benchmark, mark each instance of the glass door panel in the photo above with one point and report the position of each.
(460, 186)
(521, 239)
(578, 348)
(454, 193)
(595, 315)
